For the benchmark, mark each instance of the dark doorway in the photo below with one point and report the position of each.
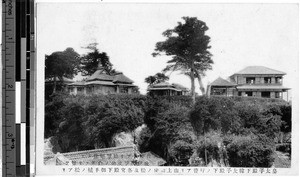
(249, 93)
(265, 94)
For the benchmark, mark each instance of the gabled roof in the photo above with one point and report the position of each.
(99, 83)
(221, 82)
(178, 86)
(100, 75)
(78, 83)
(259, 70)
(122, 78)
(162, 84)
(103, 76)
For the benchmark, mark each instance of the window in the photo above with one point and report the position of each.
(265, 94)
(250, 80)
(278, 80)
(249, 93)
(219, 91)
(267, 80)
(277, 94)
(239, 93)
(90, 89)
(124, 89)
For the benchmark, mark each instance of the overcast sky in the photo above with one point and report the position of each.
(241, 35)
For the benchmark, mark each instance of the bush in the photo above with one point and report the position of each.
(210, 144)
(214, 113)
(181, 151)
(111, 114)
(166, 118)
(250, 151)
(81, 122)
(284, 148)
(143, 140)
(286, 111)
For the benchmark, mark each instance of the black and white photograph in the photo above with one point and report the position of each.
(210, 86)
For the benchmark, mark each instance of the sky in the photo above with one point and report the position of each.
(241, 35)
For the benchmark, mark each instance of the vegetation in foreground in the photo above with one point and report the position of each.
(237, 132)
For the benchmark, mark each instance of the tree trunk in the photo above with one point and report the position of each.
(202, 89)
(54, 86)
(193, 84)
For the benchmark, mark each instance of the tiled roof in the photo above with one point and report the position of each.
(100, 75)
(122, 78)
(164, 88)
(96, 82)
(221, 82)
(259, 70)
(78, 83)
(263, 87)
(178, 86)
(162, 84)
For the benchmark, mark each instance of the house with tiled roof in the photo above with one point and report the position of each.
(167, 89)
(256, 81)
(102, 82)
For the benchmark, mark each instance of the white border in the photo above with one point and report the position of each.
(41, 169)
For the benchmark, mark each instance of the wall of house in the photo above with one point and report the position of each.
(259, 79)
(103, 89)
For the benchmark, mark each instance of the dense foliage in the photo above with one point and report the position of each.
(250, 151)
(90, 61)
(167, 120)
(88, 122)
(238, 132)
(240, 116)
(61, 64)
(157, 78)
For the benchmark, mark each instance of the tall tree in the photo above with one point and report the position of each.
(61, 64)
(91, 60)
(188, 45)
(157, 78)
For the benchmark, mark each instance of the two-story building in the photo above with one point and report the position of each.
(256, 81)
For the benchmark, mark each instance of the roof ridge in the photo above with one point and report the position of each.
(256, 69)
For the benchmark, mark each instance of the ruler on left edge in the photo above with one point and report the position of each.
(8, 88)
(17, 85)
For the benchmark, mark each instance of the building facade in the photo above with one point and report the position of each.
(103, 83)
(167, 89)
(252, 81)
(221, 87)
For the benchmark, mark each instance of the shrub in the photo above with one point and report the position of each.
(286, 111)
(250, 151)
(166, 118)
(181, 151)
(79, 122)
(143, 140)
(215, 113)
(111, 114)
(210, 144)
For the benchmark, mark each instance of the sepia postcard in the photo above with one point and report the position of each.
(167, 88)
